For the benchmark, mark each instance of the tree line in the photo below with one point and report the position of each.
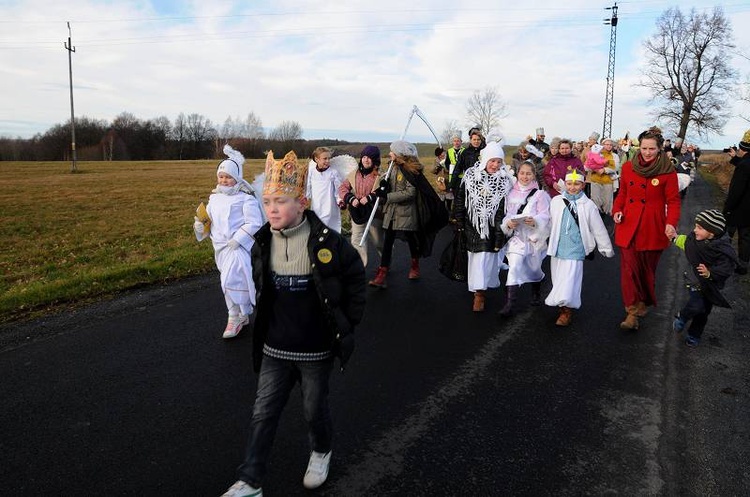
(189, 137)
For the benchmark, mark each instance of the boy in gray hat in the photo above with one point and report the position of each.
(712, 260)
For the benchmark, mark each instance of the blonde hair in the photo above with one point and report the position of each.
(320, 150)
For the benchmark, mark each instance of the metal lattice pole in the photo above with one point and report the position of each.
(609, 97)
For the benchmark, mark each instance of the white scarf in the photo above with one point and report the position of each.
(484, 192)
(240, 186)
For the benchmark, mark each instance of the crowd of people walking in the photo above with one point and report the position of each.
(281, 254)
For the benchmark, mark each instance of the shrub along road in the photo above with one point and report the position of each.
(141, 396)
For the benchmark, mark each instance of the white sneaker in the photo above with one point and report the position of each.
(234, 325)
(317, 470)
(242, 489)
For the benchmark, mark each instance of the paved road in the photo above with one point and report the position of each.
(141, 396)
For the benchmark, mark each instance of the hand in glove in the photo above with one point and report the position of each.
(198, 227)
(233, 244)
(383, 189)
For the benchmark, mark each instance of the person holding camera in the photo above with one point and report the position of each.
(737, 205)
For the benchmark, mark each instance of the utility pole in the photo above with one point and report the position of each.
(609, 97)
(70, 48)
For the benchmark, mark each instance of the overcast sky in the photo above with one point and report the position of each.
(349, 70)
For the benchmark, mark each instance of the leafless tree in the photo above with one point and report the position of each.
(688, 70)
(450, 130)
(286, 131)
(179, 133)
(254, 127)
(485, 108)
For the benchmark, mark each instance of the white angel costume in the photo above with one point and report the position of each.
(235, 215)
(527, 245)
(567, 273)
(322, 191)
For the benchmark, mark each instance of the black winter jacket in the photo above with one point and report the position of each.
(468, 158)
(737, 205)
(339, 280)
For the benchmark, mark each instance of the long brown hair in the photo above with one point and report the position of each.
(409, 163)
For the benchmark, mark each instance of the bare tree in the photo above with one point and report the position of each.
(286, 131)
(485, 108)
(450, 130)
(179, 133)
(687, 70)
(744, 92)
(254, 127)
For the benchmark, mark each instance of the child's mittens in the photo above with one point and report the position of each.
(233, 244)
(198, 227)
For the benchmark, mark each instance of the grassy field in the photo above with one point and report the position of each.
(67, 238)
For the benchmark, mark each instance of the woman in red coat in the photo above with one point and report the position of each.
(646, 211)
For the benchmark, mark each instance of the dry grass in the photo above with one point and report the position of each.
(113, 225)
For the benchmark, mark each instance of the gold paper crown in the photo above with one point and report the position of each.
(574, 175)
(746, 136)
(285, 176)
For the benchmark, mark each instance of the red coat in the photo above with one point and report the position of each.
(647, 206)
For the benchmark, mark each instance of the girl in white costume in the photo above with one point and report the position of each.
(478, 211)
(526, 224)
(323, 184)
(577, 229)
(235, 216)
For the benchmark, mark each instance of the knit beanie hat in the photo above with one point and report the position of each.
(493, 150)
(373, 153)
(232, 165)
(712, 220)
(403, 147)
(596, 148)
(745, 142)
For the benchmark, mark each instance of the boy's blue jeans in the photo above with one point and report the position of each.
(276, 380)
(696, 311)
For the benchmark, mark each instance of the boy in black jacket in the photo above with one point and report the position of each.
(311, 294)
(712, 260)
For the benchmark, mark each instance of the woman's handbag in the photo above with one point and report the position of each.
(454, 261)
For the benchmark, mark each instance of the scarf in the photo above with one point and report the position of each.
(484, 192)
(655, 167)
(240, 186)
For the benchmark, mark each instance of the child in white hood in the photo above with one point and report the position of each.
(235, 215)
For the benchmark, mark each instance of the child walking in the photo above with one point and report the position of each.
(478, 211)
(526, 224)
(311, 296)
(235, 216)
(323, 184)
(712, 260)
(577, 229)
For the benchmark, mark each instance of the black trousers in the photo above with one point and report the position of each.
(743, 242)
(390, 238)
(696, 311)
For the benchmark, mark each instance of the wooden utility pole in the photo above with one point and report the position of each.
(70, 48)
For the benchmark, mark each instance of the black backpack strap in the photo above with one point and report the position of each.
(526, 202)
(572, 212)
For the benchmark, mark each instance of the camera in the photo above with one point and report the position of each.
(726, 150)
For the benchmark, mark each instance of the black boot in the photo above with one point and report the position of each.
(536, 293)
(510, 299)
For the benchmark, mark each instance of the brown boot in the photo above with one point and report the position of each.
(511, 293)
(565, 317)
(631, 320)
(641, 309)
(478, 305)
(379, 280)
(414, 270)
